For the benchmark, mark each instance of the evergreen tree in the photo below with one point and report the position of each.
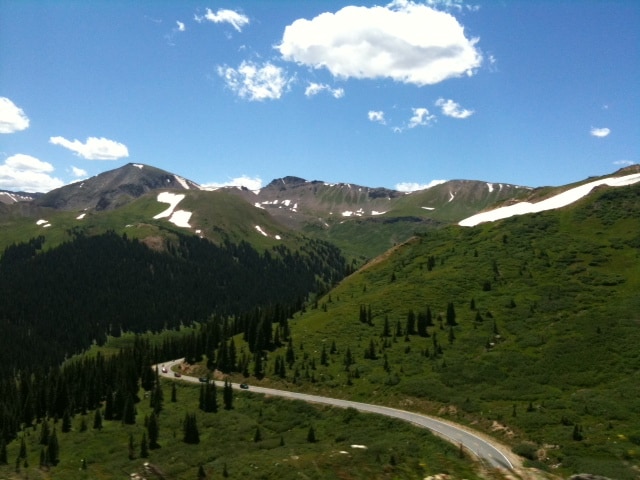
(23, 448)
(44, 432)
(228, 395)
(144, 447)
(191, 433)
(451, 315)
(66, 422)
(97, 420)
(257, 436)
(174, 393)
(3, 452)
(83, 424)
(386, 330)
(154, 431)
(411, 323)
(129, 411)
(324, 358)
(311, 435)
(201, 473)
(132, 447)
(53, 449)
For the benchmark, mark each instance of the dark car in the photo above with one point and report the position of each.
(204, 379)
(164, 369)
(176, 374)
(244, 386)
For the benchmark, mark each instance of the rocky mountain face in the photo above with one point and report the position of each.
(112, 189)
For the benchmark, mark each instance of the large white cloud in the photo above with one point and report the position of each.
(94, 148)
(404, 41)
(25, 173)
(235, 19)
(453, 109)
(12, 118)
(600, 132)
(256, 82)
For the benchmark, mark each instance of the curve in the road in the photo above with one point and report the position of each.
(451, 432)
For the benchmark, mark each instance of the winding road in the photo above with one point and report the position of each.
(482, 448)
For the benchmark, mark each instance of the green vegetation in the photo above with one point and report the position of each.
(542, 350)
(295, 438)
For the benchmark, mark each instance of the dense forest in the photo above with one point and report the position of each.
(59, 301)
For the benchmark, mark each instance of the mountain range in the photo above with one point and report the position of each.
(511, 309)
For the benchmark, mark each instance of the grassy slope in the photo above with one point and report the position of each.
(228, 438)
(564, 304)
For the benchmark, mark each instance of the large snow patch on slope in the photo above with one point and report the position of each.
(561, 200)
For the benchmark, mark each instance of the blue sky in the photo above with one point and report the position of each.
(395, 94)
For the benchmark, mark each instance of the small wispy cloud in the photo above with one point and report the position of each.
(421, 117)
(256, 82)
(251, 183)
(12, 117)
(78, 172)
(180, 26)
(600, 132)
(233, 18)
(316, 88)
(453, 109)
(624, 163)
(414, 186)
(93, 148)
(376, 116)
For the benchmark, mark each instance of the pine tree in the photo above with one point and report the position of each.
(311, 435)
(66, 422)
(53, 449)
(202, 475)
(257, 436)
(144, 447)
(44, 432)
(97, 420)
(191, 433)
(451, 315)
(129, 411)
(228, 395)
(23, 448)
(154, 430)
(83, 424)
(174, 393)
(132, 447)
(3, 452)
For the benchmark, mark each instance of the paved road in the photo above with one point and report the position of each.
(455, 434)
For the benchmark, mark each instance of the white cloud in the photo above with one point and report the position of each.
(181, 26)
(235, 19)
(404, 41)
(453, 109)
(600, 132)
(253, 82)
(22, 172)
(78, 172)
(421, 116)
(315, 88)
(376, 116)
(12, 118)
(414, 186)
(94, 148)
(625, 163)
(242, 181)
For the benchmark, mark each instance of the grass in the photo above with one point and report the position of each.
(394, 449)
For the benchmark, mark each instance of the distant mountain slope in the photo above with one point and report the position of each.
(112, 189)
(9, 198)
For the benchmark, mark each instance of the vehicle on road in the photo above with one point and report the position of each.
(204, 379)
(164, 369)
(244, 386)
(176, 374)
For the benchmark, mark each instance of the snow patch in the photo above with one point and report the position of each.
(41, 222)
(373, 212)
(357, 213)
(428, 208)
(81, 216)
(363, 447)
(277, 237)
(286, 203)
(490, 187)
(180, 217)
(182, 182)
(451, 197)
(257, 205)
(259, 229)
(558, 201)
(137, 165)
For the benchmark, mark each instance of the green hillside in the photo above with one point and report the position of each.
(534, 337)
